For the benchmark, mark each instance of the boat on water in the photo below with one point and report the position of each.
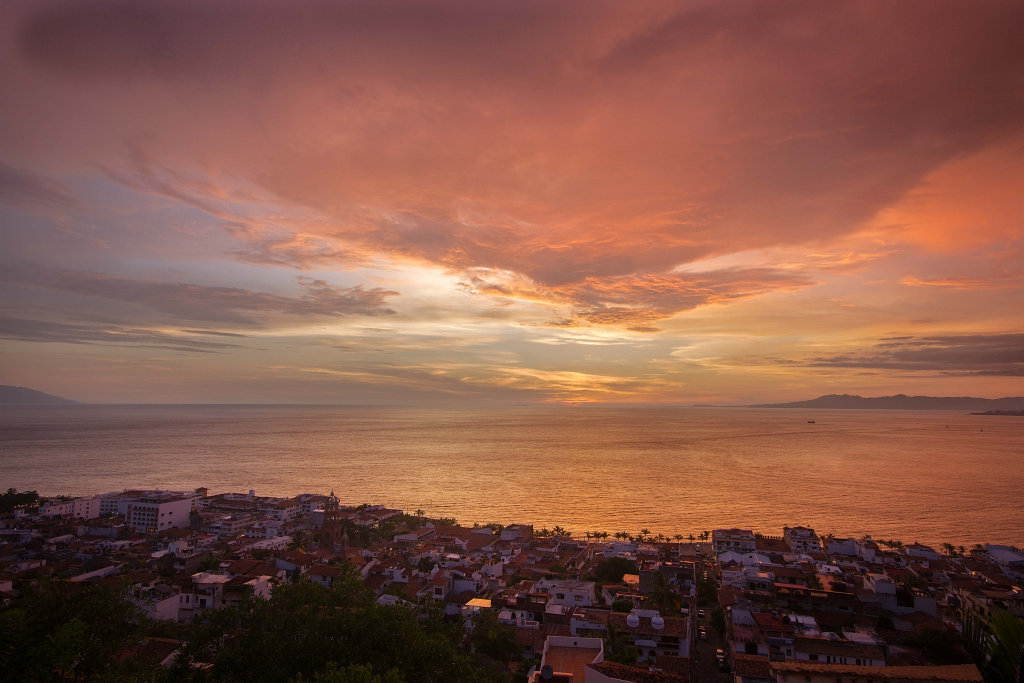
(810, 422)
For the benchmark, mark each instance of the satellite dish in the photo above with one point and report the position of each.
(632, 620)
(546, 672)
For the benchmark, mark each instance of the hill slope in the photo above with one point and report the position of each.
(22, 396)
(903, 402)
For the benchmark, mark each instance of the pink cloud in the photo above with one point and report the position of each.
(590, 148)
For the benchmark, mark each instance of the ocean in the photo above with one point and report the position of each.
(932, 477)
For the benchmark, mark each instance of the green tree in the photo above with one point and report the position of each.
(622, 605)
(304, 627)
(663, 595)
(611, 569)
(492, 638)
(998, 652)
(298, 541)
(618, 647)
(71, 629)
(209, 563)
(13, 498)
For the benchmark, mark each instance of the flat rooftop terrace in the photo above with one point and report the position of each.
(570, 660)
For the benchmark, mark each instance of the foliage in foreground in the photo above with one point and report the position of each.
(67, 629)
(611, 569)
(306, 632)
(12, 498)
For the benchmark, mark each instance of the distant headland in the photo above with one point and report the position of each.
(903, 402)
(21, 396)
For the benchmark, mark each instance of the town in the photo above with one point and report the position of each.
(543, 604)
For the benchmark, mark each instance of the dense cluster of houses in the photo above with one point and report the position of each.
(795, 607)
(824, 608)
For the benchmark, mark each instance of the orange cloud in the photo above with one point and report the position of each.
(560, 144)
(531, 177)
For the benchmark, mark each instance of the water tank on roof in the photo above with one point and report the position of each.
(632, 620)
(657, 623)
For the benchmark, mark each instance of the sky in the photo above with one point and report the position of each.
(407, 202)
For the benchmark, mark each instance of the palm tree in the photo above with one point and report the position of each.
(949, 548)
(663, 596)
(617, 646)
(1007, 646)
(998, 652)
(704, 535)
(690, 538)
(298, 541)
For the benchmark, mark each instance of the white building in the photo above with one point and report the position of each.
(801, 539)
(158, 511)
(921, 551)
(1006, 556)
(567, 591)
(738, 540)
(81, 508)
(117, 503)
(842, 546)
(214, 591)
(883, 588)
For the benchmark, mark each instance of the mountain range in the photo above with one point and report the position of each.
(902, 402)
(21, 396)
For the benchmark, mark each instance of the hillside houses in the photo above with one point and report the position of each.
(779, 607)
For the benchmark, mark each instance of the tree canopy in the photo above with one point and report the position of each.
(611, 569)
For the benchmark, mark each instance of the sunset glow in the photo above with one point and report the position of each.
(397, 202)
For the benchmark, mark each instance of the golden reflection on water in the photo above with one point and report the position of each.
(927, 476)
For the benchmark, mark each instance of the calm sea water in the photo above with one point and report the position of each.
(928, 476)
